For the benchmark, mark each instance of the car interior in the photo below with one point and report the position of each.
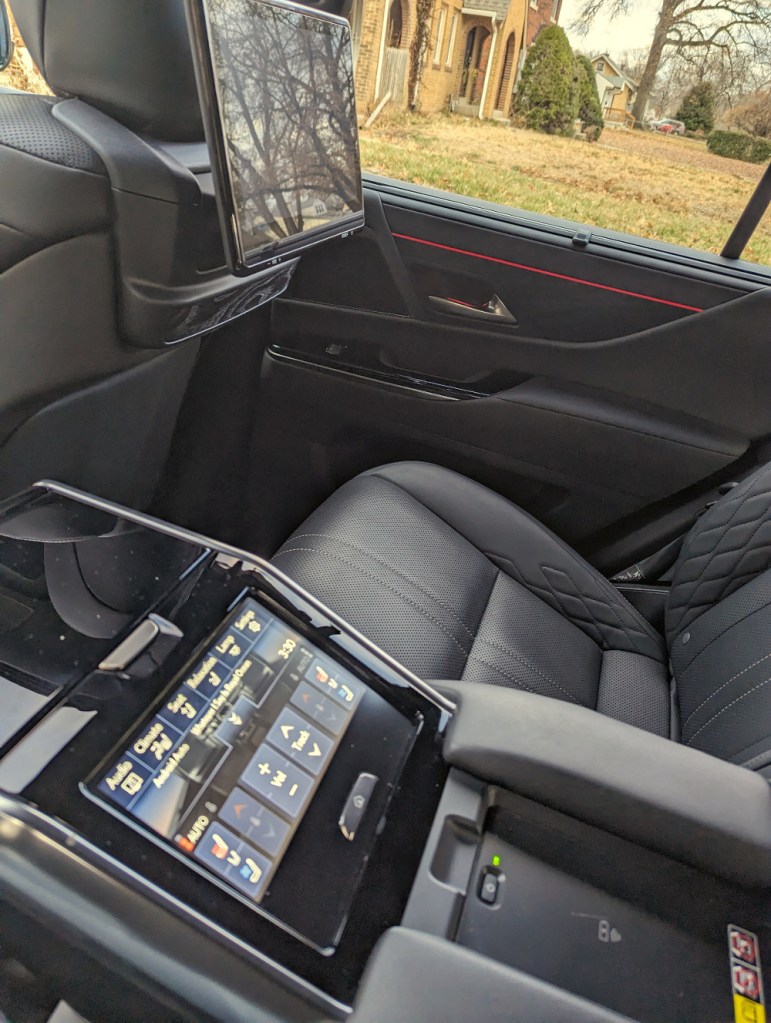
(385, 625)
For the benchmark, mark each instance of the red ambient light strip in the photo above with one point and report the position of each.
(550, 273)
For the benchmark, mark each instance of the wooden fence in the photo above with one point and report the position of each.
(395, 75)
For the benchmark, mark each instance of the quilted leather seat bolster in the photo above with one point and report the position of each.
(728, 546)
(526, 550)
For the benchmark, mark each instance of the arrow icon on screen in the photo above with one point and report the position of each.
(286, 729)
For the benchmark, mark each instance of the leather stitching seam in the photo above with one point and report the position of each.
(501, 671)
(721, 688)
(380, 582)
(527, 664)
(728, 707)
(336, 539)
(586, 599)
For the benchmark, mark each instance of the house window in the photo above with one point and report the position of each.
(440, 34)
(395, 24)
(451, 43)
(600, 66)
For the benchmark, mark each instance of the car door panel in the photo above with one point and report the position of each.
(682, 366)
(630, 373)
(557, 293)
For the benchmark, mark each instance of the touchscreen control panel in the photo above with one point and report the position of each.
(226, 767)
(271, 776)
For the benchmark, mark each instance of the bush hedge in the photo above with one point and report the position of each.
(589, 107)
(548, 94)
(697, 111)
(739, 146)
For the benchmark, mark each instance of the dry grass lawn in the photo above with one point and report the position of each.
(645, 184)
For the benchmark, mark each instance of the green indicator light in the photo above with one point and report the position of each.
(496, 861)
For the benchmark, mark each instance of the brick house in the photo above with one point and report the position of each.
(473, 57)
(540, 13)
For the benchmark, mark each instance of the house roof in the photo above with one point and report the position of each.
(618, 79)
(500, 8)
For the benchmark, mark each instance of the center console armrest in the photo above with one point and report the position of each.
(438, 980)
(652, 791)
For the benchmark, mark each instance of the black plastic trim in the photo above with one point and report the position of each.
(614, 245)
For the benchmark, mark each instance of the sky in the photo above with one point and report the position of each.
(628, 32)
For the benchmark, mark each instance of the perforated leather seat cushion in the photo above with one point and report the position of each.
(28, 124)
(458, 583)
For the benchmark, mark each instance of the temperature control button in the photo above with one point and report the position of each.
(254, 821)
(300, 740)
(319, 708)
(340, 687)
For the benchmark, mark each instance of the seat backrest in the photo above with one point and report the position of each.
(76, 402)
(719, 626)
(109, 246)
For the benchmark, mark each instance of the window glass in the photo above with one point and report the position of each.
(448, 58)
(673, 156)
(440, 34)
(22, 73)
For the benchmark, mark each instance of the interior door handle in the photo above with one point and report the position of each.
(494, 309)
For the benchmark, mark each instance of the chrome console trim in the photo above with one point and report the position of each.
(252, 560)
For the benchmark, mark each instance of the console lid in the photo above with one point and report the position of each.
(678, 801)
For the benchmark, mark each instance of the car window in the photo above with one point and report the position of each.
(518, 104)
(549, 106)
(22, 72)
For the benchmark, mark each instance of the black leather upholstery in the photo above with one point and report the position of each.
(66, 375)
(28, 125)
(55, 186)
(729, 545)
(458, 583)
(129, 58)
(719, 626)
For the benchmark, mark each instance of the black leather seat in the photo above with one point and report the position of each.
(458, 583)
(70, 385)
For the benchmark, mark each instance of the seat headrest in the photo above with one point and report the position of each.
(129, 58)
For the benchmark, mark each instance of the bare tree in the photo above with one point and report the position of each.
(632, 62)
(419, 49)
(734, 29)
(753, 115)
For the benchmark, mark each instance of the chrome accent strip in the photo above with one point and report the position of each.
(372, 379)
(131, 647)
(179, 533)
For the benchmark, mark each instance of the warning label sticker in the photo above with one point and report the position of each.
(746, 978)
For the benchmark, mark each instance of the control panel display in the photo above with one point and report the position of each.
(256, 735)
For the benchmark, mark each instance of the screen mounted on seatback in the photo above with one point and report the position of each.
(277, 92)
(268, 767)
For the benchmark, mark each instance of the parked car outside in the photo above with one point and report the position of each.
(668, 126)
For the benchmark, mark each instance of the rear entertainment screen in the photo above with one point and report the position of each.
(267, 759)
(278, 97)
